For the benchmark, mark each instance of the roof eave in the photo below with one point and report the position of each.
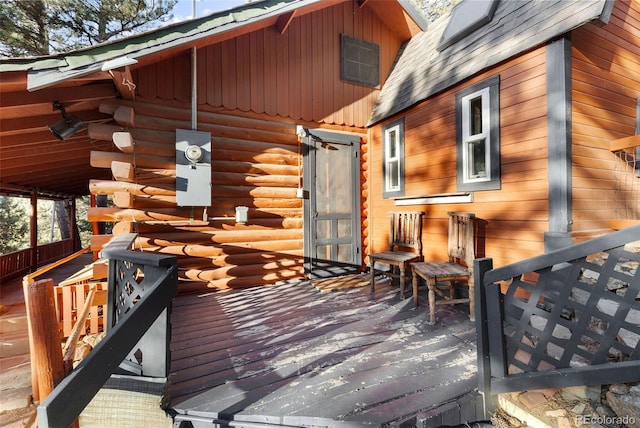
(44, 73)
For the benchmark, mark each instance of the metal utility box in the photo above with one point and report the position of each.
(193, 168)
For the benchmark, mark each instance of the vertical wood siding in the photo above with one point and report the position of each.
(514, 217)
(606, 84)
(294, 75)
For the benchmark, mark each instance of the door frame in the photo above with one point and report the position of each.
(311, 137)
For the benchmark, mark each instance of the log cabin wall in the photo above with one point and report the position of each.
(252, 92)
(606, 86)
(514, 217)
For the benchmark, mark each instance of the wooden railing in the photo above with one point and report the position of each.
(626, 173)
(48, 253)
(566, 318)
(141, 288)
(13, 265)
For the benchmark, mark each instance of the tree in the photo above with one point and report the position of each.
(14, 225)
(23, 28)
(84, 226)
(434, 9)
(43, 27)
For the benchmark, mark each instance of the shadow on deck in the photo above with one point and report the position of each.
(289, 355)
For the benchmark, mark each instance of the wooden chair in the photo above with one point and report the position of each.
(461, 252)
(405, 246)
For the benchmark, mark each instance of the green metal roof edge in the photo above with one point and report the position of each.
(184, 31)
(44, 71)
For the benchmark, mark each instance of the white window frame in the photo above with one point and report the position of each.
(468, 139)
(489, 91)
(389, 159)
(389, 191)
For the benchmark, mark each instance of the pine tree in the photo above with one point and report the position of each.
(434, 9)
(14, 225)
(43, 27)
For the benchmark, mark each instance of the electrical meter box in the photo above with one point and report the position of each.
(193, 168)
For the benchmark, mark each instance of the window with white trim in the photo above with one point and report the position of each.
(393, 159)
(478, 136)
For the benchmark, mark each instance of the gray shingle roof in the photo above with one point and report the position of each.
(517, 26)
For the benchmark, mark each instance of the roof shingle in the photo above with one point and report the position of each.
(517, 26)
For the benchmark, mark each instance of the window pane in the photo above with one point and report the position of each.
(392, 144)
(323, 252)
(393, 158)
(323, 229)
(344, 228)
(477, 159)
(393, 175)
(345, 253)
(475, 116)
(333, 175)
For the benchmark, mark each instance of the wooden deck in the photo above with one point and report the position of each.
(290, 355)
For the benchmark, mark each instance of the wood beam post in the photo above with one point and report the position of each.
(283, 22)
(46, 350)
(123, 80)
(33, 231)
(75, 233)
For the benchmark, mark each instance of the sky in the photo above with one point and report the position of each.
(184, 8)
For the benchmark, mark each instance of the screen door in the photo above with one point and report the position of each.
(332, 209)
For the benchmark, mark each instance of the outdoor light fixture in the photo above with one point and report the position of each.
(68, 126)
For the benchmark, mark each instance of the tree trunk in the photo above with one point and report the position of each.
(62, 217)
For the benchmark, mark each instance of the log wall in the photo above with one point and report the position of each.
(255, 163)
(606, 85)
(252, 91)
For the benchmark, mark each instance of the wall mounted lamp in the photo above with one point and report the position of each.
(68, 126)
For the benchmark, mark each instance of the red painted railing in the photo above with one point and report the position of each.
(18, 263)
(49, 253)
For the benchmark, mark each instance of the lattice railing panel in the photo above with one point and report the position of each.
(570, 317)
(133, 280)
(130, 286)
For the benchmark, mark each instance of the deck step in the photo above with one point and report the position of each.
(128, 402)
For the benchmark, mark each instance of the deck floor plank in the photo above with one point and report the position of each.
(291, 355)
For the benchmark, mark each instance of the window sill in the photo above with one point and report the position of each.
(440, 198)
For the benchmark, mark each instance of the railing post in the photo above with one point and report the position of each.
(141, 287)
(482, 266)
(46, 351)
(33, 232)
